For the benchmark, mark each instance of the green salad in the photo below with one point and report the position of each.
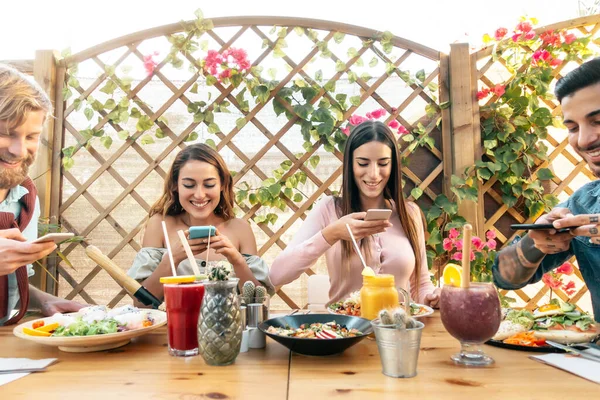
(82, 328)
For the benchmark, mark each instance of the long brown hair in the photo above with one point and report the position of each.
(169, 204)
(349, 199)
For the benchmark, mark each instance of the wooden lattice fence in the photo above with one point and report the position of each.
(106, 195)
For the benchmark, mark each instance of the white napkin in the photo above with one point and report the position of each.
(586, 369)
(10, 367)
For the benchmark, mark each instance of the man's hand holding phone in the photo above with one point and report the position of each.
(15, 251)
(585, 225)
(552, 241)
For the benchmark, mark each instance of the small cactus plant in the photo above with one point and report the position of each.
(397, 317)
(219, 272)
(252, 293)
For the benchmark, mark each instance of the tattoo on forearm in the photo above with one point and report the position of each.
(519, 262)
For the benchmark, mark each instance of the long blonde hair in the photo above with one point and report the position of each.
(169, 204)
(19, 96)
(349, 199)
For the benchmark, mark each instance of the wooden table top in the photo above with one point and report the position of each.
(144, 369)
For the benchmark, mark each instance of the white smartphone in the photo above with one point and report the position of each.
(54, 237)
(375, 214)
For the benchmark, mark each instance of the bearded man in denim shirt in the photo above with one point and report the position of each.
(541, 250)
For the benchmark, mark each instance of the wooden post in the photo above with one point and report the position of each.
(44, 73)
(466, 147)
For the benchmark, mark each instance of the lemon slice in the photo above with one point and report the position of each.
(452, 275)
(182, 279)
(368, 271)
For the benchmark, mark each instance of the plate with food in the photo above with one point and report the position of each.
(317, 334)
(93, 328)
(351, 306)
(556, 321)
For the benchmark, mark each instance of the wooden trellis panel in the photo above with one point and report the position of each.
(570, 170)
(107, 194)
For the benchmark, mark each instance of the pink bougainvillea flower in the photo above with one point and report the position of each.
(459, 244)
(515, 37)
(555, 62)
(529, 35)
(483, 93)
(524, 26)
(453, 234)
(402, 130)
(569, 38)
(457, 256)
(472, 256)
(346, 131)
(500, 33)
(356, 120)
(540, 56)
(499, 90)
(447, 244)
(394, 124)
(566, 269)
(149, 63)
(490, 235)
(491, 244)
(569, 288)
(378, 113)
(478, 243)
(394, 110)
(551, 280)
(369, 115)
(550, 38)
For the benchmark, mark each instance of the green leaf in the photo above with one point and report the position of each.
(286, 165)
(110, 104)
(319, 76)
(213, 128)
(373, 62)
(303, 110)
(314, 161)
(68, 163)
(420, 75)
(338, 37)
(240, 122)
(416, 192)
(109, 88)
(545, 174)
(211, 143)
(89, 113)
(211, 80)
(144, 123)
(191, 137)
(340, 66)
(159, 134)
(297, 198)
(106, 141)
(262, 93)
(123, 135)
(299, 30)
(252, 199)
(147, 139)
(194, 88)
(355, 100)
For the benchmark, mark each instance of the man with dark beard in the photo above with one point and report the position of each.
(24, 108)
(543, 250)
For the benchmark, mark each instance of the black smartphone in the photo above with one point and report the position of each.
(535, 227)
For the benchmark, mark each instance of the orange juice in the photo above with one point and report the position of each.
(378, 292)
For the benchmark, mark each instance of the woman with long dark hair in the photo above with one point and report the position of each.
(198, 191)
(371, 179)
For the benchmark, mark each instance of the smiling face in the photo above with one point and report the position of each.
(372, 166)
(199, 189)
(18, 147)
(581, 113)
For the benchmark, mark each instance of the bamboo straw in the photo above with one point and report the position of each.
(173, 269)
(189, 253)
(466, 256)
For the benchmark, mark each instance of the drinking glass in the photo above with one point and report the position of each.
(472, 315)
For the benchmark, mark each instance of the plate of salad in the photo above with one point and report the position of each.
(93, 328)
(557, 321)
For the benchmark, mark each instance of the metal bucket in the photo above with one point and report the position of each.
(398, 349)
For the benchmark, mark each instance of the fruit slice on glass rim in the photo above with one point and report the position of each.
(452, 274)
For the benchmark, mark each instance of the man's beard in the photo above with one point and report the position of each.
(10, 178)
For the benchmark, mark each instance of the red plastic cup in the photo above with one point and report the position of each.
(183, 303)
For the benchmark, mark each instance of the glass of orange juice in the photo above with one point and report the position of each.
(378, 292)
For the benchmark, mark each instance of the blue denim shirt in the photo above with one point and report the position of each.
(586, 200)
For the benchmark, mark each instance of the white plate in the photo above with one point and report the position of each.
(84, 344)
(428, 312)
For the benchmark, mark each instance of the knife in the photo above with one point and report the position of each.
(570, 349)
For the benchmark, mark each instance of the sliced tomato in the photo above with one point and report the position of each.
(37, 324)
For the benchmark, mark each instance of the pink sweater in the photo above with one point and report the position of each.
(391, 248)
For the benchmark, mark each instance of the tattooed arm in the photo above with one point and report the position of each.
(538, 252)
